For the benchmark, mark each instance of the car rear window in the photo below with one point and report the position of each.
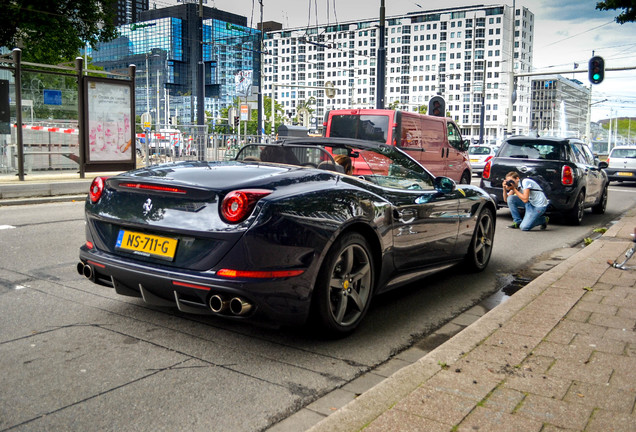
(479, 150)
(623, 153)
(530, 150)
(366, 127)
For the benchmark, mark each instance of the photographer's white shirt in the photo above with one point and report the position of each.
(537, 198)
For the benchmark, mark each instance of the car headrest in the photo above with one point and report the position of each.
(330, 166)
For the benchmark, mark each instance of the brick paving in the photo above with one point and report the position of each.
(560, 355)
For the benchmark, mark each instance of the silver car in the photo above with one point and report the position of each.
(479, 155)
(622, 164)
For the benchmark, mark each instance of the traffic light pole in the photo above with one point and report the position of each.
(381, 71)
(573, 71)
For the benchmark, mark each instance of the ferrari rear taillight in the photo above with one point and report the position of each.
(486, 173)
(567, 176)
(96, 190)
(238, 205)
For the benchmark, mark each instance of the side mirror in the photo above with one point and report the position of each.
(445, 185)
(465, 145)
(602, 165)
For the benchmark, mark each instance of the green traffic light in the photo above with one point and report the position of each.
(596, 77)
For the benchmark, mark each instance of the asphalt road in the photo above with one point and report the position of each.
(76, 356)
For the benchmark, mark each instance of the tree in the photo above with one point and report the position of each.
(394, 105)
(422, 109)
(628, 7)
(52, 31)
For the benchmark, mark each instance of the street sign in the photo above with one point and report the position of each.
(245, 112)
(52, 97)
(146, 120)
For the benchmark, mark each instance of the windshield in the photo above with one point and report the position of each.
(366, 127)
(383, 165)
(534, 149)
(388, 167)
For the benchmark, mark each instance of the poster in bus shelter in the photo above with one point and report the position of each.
(109, 124)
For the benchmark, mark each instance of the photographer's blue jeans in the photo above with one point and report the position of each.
(534, 215)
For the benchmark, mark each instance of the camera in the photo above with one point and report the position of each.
(510, 183)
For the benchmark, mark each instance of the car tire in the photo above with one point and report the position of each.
(602, 204)
(575, 215)
(465, 179)
(344, 286)
(480, 248)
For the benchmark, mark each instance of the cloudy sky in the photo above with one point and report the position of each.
(566, 32)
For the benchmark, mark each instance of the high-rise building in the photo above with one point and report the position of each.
(165, 44)
(465, 54)
(559, 106)
(127, 11)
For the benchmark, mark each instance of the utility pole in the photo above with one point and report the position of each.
(201, 89)
(381, 66)
(511, 66)
(482, 113)
(259, 122)
(588, 119)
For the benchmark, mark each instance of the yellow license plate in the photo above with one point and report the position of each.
(474, 160)
(625, 174)
(147, 245)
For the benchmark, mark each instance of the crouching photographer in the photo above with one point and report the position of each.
(526, 194)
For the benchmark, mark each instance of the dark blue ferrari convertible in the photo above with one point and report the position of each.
(302, 230)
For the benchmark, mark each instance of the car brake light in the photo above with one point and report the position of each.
(231, 273)
(152, 187)
(488, 158)
(486, 173)
(238, 205)
(96, 190)
(567, 175)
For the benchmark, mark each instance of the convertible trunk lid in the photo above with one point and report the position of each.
(170, 214)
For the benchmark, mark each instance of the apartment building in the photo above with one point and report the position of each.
(559, 106)
(465, 54)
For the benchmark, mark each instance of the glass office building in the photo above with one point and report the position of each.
(165, 45)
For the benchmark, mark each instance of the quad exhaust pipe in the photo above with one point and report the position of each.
(239, 306)
(85, 270)
(218, 304)
(236, 306)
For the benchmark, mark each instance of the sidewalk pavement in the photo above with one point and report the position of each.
(48, 187)
(559, 355)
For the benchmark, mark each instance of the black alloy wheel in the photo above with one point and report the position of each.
(480, 248)
(344, 287)
(575, 216)
(602, 204)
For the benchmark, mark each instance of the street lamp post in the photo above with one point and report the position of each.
(259, 121)
(147, 129)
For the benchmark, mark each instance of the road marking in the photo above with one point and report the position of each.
(6, 227)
